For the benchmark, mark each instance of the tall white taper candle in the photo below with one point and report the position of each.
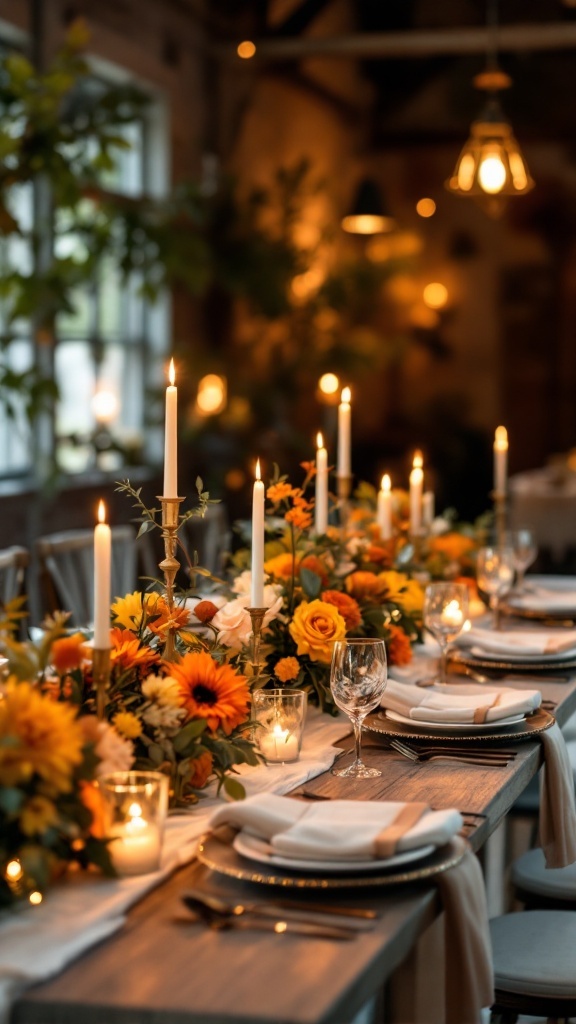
(257, 590)
(102, 570)
(171, 438)
(384, 514)
(416, 484)
(343, 467)
(321, 508)
(500, 460)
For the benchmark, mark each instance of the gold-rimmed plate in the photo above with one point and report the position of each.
(223, 859)
(516, 665)
(527, 729)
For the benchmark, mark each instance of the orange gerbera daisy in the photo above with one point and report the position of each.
(161, 618)
(399, 649)
(349, 608)
(215, 692)
(68, 653)
(127, 652)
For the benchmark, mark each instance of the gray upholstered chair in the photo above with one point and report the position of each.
(14, 564)
(533, 953)
(66, 563)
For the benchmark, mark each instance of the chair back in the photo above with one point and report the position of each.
(13, 565)
(209, 536)
(66, 562)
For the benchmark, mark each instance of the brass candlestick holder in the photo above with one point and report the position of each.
(417, 539)
(101, 676)
(257, 618)
(499, 499)
(170, 564)
(344, 489)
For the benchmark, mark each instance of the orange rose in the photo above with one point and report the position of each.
(315, 627)
(200, 770)
(453, 545)
(349, 608)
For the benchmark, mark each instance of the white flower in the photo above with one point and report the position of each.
(243, 584)
(116, 754)
(233, 623)
(165, 717)
(439, 526)
(163, 690)
(355, 545)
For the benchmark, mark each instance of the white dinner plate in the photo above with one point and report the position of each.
(259, 850)
(522, 659)
(454, 726)
(562, 589)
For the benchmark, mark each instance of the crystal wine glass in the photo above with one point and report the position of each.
(525, 550)
(357, 680)
(445, 615)
(495, 575)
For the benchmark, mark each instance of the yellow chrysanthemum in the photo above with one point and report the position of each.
(286, 669)
(127, 724)
(397, 587)
(315, 627)
(37, 814)
(41, 737)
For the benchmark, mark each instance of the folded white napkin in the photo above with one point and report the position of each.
(544, 599)
(452, 705)
(519, 641)
(332, 830)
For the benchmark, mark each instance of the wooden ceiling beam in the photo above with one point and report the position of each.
(396, 45)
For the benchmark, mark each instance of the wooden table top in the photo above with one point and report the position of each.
(161, 969)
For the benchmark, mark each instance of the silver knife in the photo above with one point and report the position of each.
(283, 927)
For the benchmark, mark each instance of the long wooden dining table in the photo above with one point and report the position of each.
(163, 968)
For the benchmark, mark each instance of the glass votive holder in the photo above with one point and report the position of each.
(136, 804)
(279, 716)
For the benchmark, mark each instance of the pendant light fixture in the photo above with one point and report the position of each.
(491, 165)
(368, 215)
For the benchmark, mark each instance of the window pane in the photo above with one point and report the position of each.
(15, 438)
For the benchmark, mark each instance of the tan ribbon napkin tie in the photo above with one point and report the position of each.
(386, 841)
(480, 713)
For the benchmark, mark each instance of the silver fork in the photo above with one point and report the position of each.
(487, 760)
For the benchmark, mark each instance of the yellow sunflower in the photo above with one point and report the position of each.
(40, 737)
(215, 692)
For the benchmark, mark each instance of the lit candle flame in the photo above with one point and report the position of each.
(418, 461)
(501, 439)
(346, 395)
(101, 512)
(257, 472)
(171, 373)
(319, 440)
(135, 811)
(386, 482)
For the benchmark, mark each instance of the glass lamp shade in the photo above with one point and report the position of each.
(491, 164)
(367, 215)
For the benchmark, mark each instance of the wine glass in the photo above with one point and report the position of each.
(525, 550)
(445, 615)
(495, 575)
(357, 680)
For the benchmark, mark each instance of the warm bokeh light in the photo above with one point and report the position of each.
(386, 482)
(425, 207)
(171, 373)
(35, 898)
(246, 49)
(211, 397)
(319, 440)
(466, 170)
(366, 224)
(235, 479)
(329, 383)
(346, 395)
(421, 316)
(104, 405)
(13, 871)
(418, 460)
(492, 174)
(101, 512)
(435, 295)
(304, 285)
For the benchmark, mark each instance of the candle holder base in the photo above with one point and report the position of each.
(257, 619)
(170, 564)
(101, 677)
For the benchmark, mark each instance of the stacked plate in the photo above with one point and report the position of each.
(531, 648)
(545, 598)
